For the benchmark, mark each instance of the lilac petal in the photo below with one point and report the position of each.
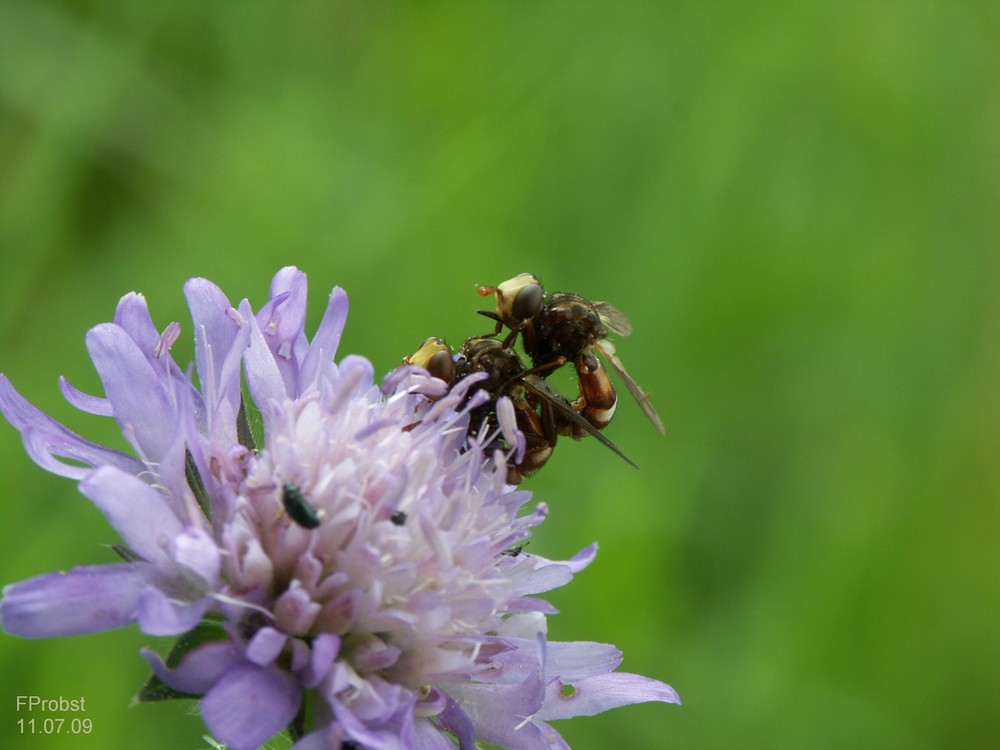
(577, 660)
(368, 737)
(284, 323)
(167, 339)
(217, 333)
(454, 719)
(582, 559)
(325, 342)
(221, 415)
(132, 316)
(214, 328)
(498, 712)
(521, 604)
(172, 473)
(141, 404)
(511, 661)
(196, 550)
(295, 611)
(552, 574)
(324, 650)
(267, 322)
(285, 278)
(44, 439)
(508, 426)
(160, 615)
(544, 578)
(250, 704)
(84, 600)
(413, 379)
(374, 656)
(356, 379)
(316, 741)
(265, 645)
(555, 740)
(383, 704)
(427, 736)
(84, 401)
(592, 695)
(43, 447)
(138, 512)
(299, 659)
(432, 702)
(522, 627)
(199, 669)
(267, 387)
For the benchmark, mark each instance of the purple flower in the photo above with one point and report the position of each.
(363, 558)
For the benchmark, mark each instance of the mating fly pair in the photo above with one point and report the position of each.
(555, 330)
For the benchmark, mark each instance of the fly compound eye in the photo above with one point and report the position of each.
(527, 302)
(435, 357)
(441, 366)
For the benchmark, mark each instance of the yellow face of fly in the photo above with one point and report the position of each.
(435, 357)
(519, 299)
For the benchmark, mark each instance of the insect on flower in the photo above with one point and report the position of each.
(560, 328)
(298, 508)
(540, 414)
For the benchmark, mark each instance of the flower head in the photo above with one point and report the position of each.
(364, 556)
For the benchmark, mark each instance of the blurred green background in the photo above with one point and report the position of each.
(795, 203)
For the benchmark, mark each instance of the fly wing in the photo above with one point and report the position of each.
(613, 318)
(641, 397)
(541, 388)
